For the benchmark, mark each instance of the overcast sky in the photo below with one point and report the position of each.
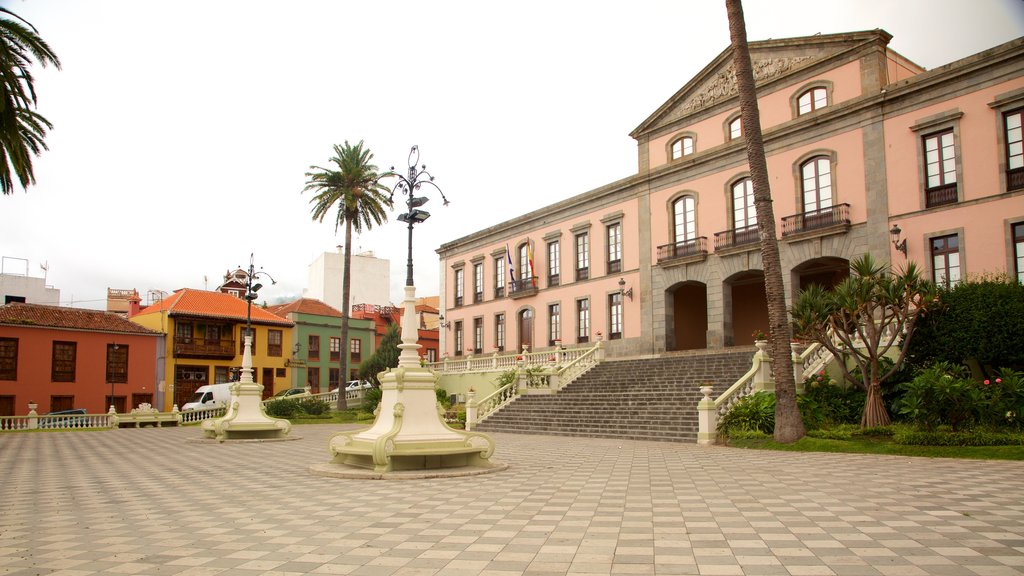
(183, 130)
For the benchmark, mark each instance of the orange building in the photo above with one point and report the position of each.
(64, 358)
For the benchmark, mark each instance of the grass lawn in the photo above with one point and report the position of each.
(883, 445)
(347, 417)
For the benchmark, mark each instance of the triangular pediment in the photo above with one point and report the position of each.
(771, 60)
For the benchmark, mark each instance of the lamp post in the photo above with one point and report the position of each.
(112, 382)
(251, 290)
(409, 185)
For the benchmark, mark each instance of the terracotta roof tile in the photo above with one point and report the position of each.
(305, 306)
(19, 314)
(202, 303)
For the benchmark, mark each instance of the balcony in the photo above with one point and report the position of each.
(689, 250)
(1015, 179)
(199, 348)
(817, 220)
(736, 238)
(523, 287)
(940, 195)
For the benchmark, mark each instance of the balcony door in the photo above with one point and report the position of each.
(526, 330)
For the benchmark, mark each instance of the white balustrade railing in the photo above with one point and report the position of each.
(507, 361)
(56, 422)
(200, 414)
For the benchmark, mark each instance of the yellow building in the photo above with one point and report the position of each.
(205, 338)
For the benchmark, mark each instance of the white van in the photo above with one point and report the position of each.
(210, 396)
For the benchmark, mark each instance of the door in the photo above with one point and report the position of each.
(6, 405)
(268, 383)
(526, 330)
(58, 403)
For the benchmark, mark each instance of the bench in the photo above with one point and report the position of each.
(146, 414)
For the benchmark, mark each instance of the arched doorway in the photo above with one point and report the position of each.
(686, 316)
(745, 307)
(526, 329)
(826, 272)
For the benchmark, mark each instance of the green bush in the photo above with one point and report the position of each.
(940, 395)
(371, 399)
(826, 405)
(875, 431)
(443, 398)
(1003, 400)
(980, 320)
(283, 408)
(841, 432)
(753, 413)
(963, 438)
(314, 406)
(748, 435)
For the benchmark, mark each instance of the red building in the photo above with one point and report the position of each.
(382, 316)
(64, 358)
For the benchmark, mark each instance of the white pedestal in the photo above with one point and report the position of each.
(246, 418)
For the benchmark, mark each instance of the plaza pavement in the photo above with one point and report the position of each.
(149, 502)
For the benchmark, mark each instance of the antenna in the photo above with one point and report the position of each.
(46, 268)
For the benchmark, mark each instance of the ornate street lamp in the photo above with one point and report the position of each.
(251, 290)
(410, 185)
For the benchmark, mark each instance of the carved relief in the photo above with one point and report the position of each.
(723, 84)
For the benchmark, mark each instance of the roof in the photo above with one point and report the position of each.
(201, 303)
(39, 315)
(305, 306)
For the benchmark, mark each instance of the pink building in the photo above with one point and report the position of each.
(861, 143)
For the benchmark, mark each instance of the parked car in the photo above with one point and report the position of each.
(209, 396)
(290, 392)
(64, 419)
(358, 384)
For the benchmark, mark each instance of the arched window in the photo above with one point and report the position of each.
(811, 100)
(684, 213)
(743, 213)
(524, 263)
(682, 147)
(816, 175)
(735, 128)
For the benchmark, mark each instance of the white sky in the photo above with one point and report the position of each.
(183, 130)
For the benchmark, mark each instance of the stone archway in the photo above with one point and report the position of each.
(686, 318)
(745, 306)
(826, 272)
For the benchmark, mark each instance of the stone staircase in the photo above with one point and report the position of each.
(637, 399)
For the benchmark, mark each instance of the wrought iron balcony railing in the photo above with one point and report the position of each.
(736, 237)
(815, 219)
(697, 246)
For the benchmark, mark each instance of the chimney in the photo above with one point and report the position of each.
(134, 305)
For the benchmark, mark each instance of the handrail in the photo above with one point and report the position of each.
(741, 389)
(496, 361)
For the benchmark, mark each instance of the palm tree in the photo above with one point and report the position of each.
(354, 188)
(22, 129)
(789, 427)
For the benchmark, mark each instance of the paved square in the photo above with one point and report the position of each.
(148, 502)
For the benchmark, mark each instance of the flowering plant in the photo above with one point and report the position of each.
(759, 335)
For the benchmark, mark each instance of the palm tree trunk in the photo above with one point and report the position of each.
(346, 293)
(789, 427)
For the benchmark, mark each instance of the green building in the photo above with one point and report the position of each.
(316, 354)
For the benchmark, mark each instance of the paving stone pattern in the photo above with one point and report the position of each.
(149, 502)
(638, 399)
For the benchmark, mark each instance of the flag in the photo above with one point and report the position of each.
(529, 256)
(511, 271)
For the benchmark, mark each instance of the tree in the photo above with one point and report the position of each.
(384, 357)
(789, 426)
(354, 189)
(22, 129)
(864, 317)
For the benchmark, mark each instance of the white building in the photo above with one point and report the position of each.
(371, 279)
(16, 286)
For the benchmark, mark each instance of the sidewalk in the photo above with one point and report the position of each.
(148, 502)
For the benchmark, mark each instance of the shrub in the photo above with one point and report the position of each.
(507, 377)
(442, 398)
(371, 399)
(1003, 400)
(283, 408)
(313, 406)
(753, 413)
(838, 433)
(875, 431)
(965, 438)
(748, 435)
(825, 405)
(940, 395)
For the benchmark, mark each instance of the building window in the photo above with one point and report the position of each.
(117, 363)
(221, 375)
(525, 264)
(816, 175)
(313, 347)
(554, 323)
(274, 338)
(554, 263)
(61, 403)
(460, 276)
(743, 212)
(499, 276)
(8, 358)
(735, 128)
(431, 354)
(499, 332)
(583, 256)
(281, 372)
(682, 147)
(946, 260)
(241, 339)
(1018, 253)
(333, 378)
(63, 367)
(183, 332)
(1014, 150)
(615, 248)
(478, 283)
(684, 220)
(940, 169)
(615, 316)
(583, 320)
(459, 341)
(355, 350)
(478, 335)
(811, 100)
(335, 348)
(313, 379)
